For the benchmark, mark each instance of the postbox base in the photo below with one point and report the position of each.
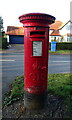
(35, 101)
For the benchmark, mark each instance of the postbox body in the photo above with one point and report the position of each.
(36, 59)
(36, 42)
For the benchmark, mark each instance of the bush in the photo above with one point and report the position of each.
(64, 46)
(4, 43)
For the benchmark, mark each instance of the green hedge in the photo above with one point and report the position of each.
(4, 43)
(62, 46)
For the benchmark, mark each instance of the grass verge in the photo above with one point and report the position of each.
(58, 84)
(61, 85)
(16, 92)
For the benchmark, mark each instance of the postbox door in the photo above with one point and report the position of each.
(36, 66)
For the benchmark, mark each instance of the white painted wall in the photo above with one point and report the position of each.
(65, 29)
(52, 38)
(63, 32)
(7, 38)
(50, 31)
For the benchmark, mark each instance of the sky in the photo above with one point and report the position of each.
(10, 10)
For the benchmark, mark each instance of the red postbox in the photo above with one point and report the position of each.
(36, 42)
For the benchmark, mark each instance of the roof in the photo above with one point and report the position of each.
(12, 30)
(65, 24)
(56, 25)
(68, 34)
(55, 33)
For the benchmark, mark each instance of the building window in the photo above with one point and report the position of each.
(69, 38)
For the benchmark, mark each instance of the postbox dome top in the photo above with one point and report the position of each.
(37, 17)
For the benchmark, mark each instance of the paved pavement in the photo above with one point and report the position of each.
(12, 65)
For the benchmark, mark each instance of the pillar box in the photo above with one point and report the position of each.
(36, 42)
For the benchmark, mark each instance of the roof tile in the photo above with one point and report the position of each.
(55, 33)
(11, 30)
(56, 25)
